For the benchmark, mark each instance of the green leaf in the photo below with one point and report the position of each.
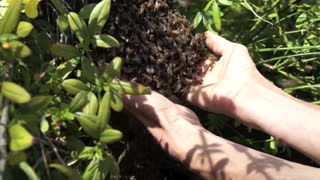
(24, 29)
(11, 17)
(64, 50)
(66, 68)
(99, 16)
(16, 157)
(89, 71)
(67, 171)
(79, 101)
(86, 10)
(15, 92)
(26, 168)
(225, 2)
(16, 49)
(59, 6)
(88, 153)
(31, 8)
(113, 165)
(129, 88)
(62, 22)
(20, 138)
(78, 26)
(113, 69)
(44, 126)
(75, 143)
(197, 20)
(216, 15)
(109, 136)
(116, 101)
(36, 103)
(88, 123)
(97, 170)
(74, 86)
(7, 37)
(105, 41)
(92, 106)
(104, 111)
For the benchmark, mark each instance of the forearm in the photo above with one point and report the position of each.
(295, 122)
(217, 158)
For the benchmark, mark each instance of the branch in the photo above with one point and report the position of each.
(3, 143)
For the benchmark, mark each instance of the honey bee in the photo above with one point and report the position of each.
(210, 62)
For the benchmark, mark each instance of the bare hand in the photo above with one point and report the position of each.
(233, 72)
(166, 121)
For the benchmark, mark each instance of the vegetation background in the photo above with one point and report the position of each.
(48, 131)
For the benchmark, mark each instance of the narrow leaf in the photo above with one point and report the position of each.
(92, 106)
(74, 86)
(24, 28)
(64, 50)
(18, 50)
(15, 92)
(66, 68)
(88, 123)
(59, 6)
(31, 8)
(113, 69)
(130, 88)
(105, 41)
(89, 71)
(20, 138)
(99, 16)
(86, 10)
(79, 101)
(67, 171)
(216, 15)
(104, 110)
(26, 168)
(109, 136)
(78, 26)
(62, 22)
(197, 20)
(116, 101)
(44, 126)
(11, 17)
(36, 103)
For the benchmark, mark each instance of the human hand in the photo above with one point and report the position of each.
(169, 123)
(231, 74)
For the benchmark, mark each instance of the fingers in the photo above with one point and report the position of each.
(147, 107)
(200, 96)
(218, 44)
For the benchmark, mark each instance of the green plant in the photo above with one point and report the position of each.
(61, 102)
(283, 39)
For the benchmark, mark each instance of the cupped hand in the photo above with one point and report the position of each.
(232, 73)
(168, 122)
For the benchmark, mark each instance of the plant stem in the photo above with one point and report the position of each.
(3, 152)
(288, 48)
(289, 56)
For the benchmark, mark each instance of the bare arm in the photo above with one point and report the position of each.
(236, 88)
(270, 109)
(179, 132)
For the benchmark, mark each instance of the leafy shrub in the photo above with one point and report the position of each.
(54, 99)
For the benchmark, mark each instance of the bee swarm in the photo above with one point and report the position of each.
(157, 45)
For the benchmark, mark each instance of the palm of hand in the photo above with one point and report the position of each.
(228, 76)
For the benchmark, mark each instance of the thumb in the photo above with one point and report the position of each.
(218, 44)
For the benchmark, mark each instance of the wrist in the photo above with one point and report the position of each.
(253, 98)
